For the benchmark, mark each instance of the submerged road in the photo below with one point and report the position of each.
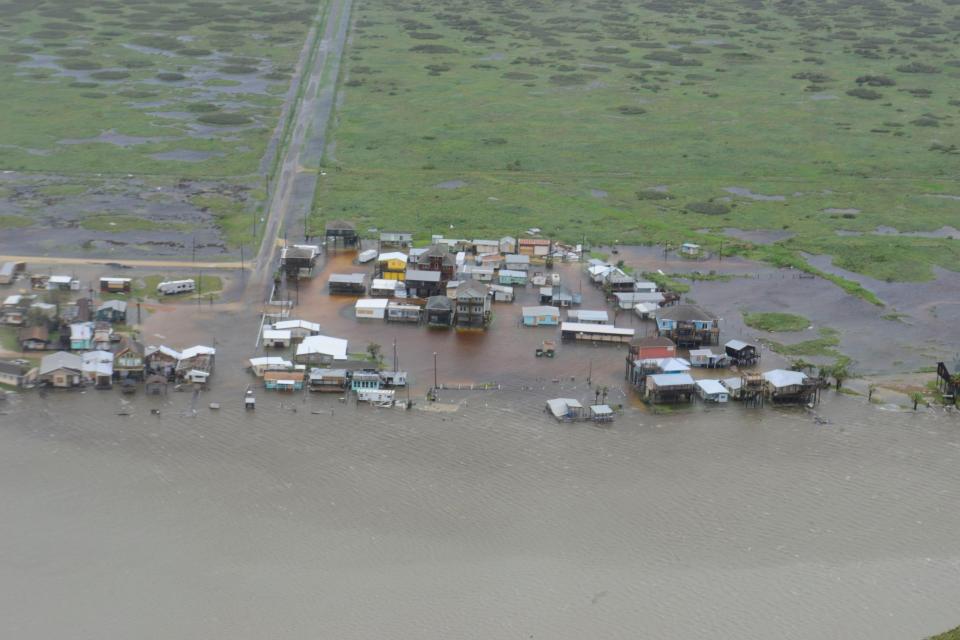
(295, 183)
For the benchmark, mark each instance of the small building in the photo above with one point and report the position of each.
(195, 364)
(61, 370)
(175, 287)
(511, 277)
(103, 336)
(540, 316)
(486, 247)
(161, 360)
(298, 260)
(588, 316)
(371, 308)
(66, 283)
(452, 289)
(601, 413)
(689, 249)
(14, 309)
(34, 338)
(492, 260)
(424, 284)
(598, 272)
(15, 374)
(712, 391)
(97, 368)
(645, 310)
(365, 379)
(109, 284)
(321, 350)
(395, 240)
(283, 380)
(9, 271)
(260, 366)
(664, 388)
(397, 312)
(733, 387)
(687, 325)
(128, 360)
(347, 283)
(439, 311)
(707, 358)
(276, 338)
(668, 365)
(328, 380)
(340, 233)
(508, 244)
(383, 288)
(784, 386)
(617, 280)
(391, 265)
(516, 262)
(501, 293)
(393, 378)
(595, 332)
(81, 336)
(112, 311)
(536, 247)
(299, 329)
(566, 409)
(473, 272)
(377, 397)
(473, 305)
(629, 299)
(741, 353)
(651, 347)
(645, 287)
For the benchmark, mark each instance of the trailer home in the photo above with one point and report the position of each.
(173, 287)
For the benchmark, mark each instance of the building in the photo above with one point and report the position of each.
(595, 332)
(174, 287)
(566, 409)
(511, 277)
(486, 247)
(15, 374)
(645, 287)
(61, 370)
(397, 312)
(112, 311)
(439, 311)
(321, 350)
(395, 240)
(365, 379)
(371, 308)
(629, 299)
(733, 387)
(536, 247)
(540, 316)
(517, 262)
(103, 335)
(283, 380)
(328, 380)
(261, 365)
(617, 280)
(382, 288)
(508, 244)
(276, 338)
(707, 358)
(347, 283)
(14, 309)
(298, 260)
(341, 233)
(669, 388)
(784, 386)
(128, 360)
(392, 265)
(687, 325)
(81, 336)
(299, 329)
(9, 271)
(588, 316)
(473, 272)
(107, 285)
(438, 258)
(366, 256)
(161, 360)
(501, 293)
(473, 305)
(652, 347)
(97, 368)
(493, 261)
(195, 364)
(712, 391)
(424, 284)
(34, 338)
(741, 353)
(690, 249)
(66, 283)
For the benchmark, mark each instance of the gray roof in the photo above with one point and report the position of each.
(116, 305)
(348, 278)
(738, 345)
(419, 275)
(439, 303)
(60, 360)
(472, 289)
(683, 313)
(541, 311)
(10, 368)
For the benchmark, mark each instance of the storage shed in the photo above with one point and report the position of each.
(371, 308)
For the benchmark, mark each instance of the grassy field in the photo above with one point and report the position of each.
(772, 321)
(953, 634)
(656, 122)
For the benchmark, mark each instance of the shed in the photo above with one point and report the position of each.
(540, 316)
(690, 249)
(512, 276)
(397, 312)
(382, 287)
(501, 293)
(601, 413)
(595, 332)
(712, 391)
(276, 338)
(371, 308)
(565, 409)
(588, 316)
(348, 283)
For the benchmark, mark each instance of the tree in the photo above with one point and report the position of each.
(603, 393)
(801, 365)
(840, 373)
(917, 398)
(870, 391)
(374, 349)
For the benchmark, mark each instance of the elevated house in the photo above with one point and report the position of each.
(61, 370)
(424, 284)
(14, 309)
(391, 265)
(365, 380)
(534, 247)
(510, 277)
(712, 391)
(666, 388)
(789, 387)
(97, 368)
(597, 333)
(617, 280)
(341, 233)
(81, 336)
(397, 312)
(328, 380)
(439, 311)
(383, 288)
(645, 349)
(473, 305)
(288, 381)
(742, 354)
(540, 316)
(107, 284)
(687, 325)
(947, 383)
(128, 360)
(34, 338)
(398, 240)
(112, 311)
(707, 358)
(298, 260)
(347, 283)
(690, 249)
(516, 262)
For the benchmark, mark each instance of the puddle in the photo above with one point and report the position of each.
(823, 96)
(187, 155)
(709, 42)
(746, 193)
(450, 184)
(150, 51)
(941, 196)
(850, 234)
(117, 139)
(945, 231)
(758, 236)
(32, 152)
(598, 193)
(841, 211)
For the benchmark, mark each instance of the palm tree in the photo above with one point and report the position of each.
(604, 394)
(917, 398)
(840, 373)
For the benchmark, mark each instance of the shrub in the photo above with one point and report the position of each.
(865, 94)
(225, 118)
(876, 81)
(80, 65)
(917, 67)
(433, 48)
(171, 77)
(109, 75)
(708, 208)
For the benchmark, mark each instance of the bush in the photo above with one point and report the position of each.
(653, 194)
(433, 48)
(917, 67)
(628, 110)
(876, 81)
(708, 208)
(171, 77)
(225, 118)
(80, 65)
(202, 107)
(109, 75)
(865, 94)
(775, 321)
(237, 69)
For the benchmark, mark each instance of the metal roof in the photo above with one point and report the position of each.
(419, 275)
(711, 387)
(60, 360)
(297, 324)
(783, 378)
(276, 334)
(737, 345)
(589, 314)
(606, 329)
(348, 278)
(323, 345)
(541, 311)
(683, 312)
(672, 379)
(372, 303)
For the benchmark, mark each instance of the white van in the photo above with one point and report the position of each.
(172, 287)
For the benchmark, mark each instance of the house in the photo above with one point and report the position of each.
(508, 244)
(15, 374)
(383, 288)
(397, 312)
(516, 262)
(128, 360)
(652, 347)
(536, 247)
(298, 260)
(473, 272)
(392, 265)
(687, 325)
(103, 335)
(437, 258)
(43, 309)
(347, 283)
(276, 338)
(742, 354)
(195, 364)
(371, 308)
(782, 385)
(299, 329)
(598, 272)
(509, 277)
(451, 289)
(284, 380)
(645, 310)
(733, 387)
(595, 332)
(486, 247)
(559, 296)
(629, 299)
(321, 350)
(66, 283)
(617, 280)
(689, 249)
(14, 309)
(588, 316)
(501, 293)
(601, 413)
(424, 284)
(645, 287)
(540, 316)
(566, 409)
(393, 378)
(439, 311)
(492, 260)
(81, 336)
(669, 365)
(34, 338)
(395, 240)
(79, 311)
(707, 358)
(108, 285)
(260, 366)
(473, 305)
(328, 380)
(161, 360)
(9, 271)
(61, 370)
(712, 391)
(97, 368)
(669, 388)
(365, 379)
(341, 233)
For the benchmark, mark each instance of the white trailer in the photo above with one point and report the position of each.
(376, 397)
(172, 287)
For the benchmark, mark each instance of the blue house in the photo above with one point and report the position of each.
(687, 325)
(541, 316)
(509, 276)
(366, 379)
(81, 336)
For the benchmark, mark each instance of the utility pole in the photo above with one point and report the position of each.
(590, 374)
(721, 251)
(241, 257)
(434, 370)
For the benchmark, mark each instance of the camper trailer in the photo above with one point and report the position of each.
(172, 287)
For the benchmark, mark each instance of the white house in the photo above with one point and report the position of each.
(371, 308)
(712, 391)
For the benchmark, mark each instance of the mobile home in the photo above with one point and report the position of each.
(371, 308)
(173, 287)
